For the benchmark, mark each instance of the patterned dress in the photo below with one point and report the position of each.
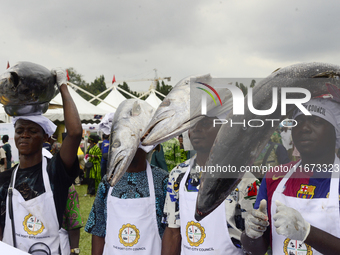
(72, 218)
(95, 172)
(172, 153)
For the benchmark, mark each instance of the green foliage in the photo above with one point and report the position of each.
(164, 89)
(252, 84)
(98, 86)
(245, 88)
(127, 89)
(76, 78)
(95, 88)
(85, 204)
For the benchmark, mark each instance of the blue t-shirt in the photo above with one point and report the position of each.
(104, 146)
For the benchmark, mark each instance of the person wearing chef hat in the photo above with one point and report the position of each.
(297, 209)
(33, 193)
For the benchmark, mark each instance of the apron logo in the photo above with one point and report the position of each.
(294, 247)
(306, 191)
(32, 225)
(195, 233)
(129, 235)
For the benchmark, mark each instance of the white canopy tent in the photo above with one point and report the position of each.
(92, 127)
(86, 110)
(153, 100)
(112, 100)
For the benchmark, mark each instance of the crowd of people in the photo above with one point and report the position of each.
(150, 210)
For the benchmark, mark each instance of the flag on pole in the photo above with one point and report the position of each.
(68, 77)
(7, 65)
(114, 79)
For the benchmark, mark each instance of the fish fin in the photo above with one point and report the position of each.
(276, 70)
(334, 91)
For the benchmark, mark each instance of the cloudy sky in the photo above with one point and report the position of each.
(130, 38)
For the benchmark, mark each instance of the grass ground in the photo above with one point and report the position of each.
(85, 203)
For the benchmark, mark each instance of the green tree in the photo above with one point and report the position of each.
(242, 87)
(164, 89)
(126, 88)
(76, 78)
(96, 87)
(245, 88)
(252, 84)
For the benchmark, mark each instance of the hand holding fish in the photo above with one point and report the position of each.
(256, 221)
(61, 76)
(290, 223)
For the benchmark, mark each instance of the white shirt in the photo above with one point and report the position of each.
(286, 138)
(2, 155)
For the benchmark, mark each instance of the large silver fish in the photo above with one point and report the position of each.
(128, 126)
(181, 110)
(238, 146)
(27, 88)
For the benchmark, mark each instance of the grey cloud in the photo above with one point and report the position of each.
(179, 38)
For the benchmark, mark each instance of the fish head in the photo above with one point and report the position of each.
(27, 88)
(174, 115)
(128, 125)
(239, 146)
(217, 187)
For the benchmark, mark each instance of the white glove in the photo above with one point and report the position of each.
(290, 223)
(256, 221)
(61, 76)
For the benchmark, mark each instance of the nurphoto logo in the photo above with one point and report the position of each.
(238, 99)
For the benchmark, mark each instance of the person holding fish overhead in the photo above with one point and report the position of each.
(220, 232)
(33, 193)
(127, 212)
(297, 209)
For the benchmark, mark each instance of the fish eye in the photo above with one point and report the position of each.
(116, 144)
(15, 78)
(165, 103)
(136, 110)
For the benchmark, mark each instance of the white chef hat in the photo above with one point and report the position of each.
(106, 123)
(47, 125)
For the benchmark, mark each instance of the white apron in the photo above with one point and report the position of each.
(131, 226)
(210, 235)
(64, 242)
(322, 213)
(35, 220)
